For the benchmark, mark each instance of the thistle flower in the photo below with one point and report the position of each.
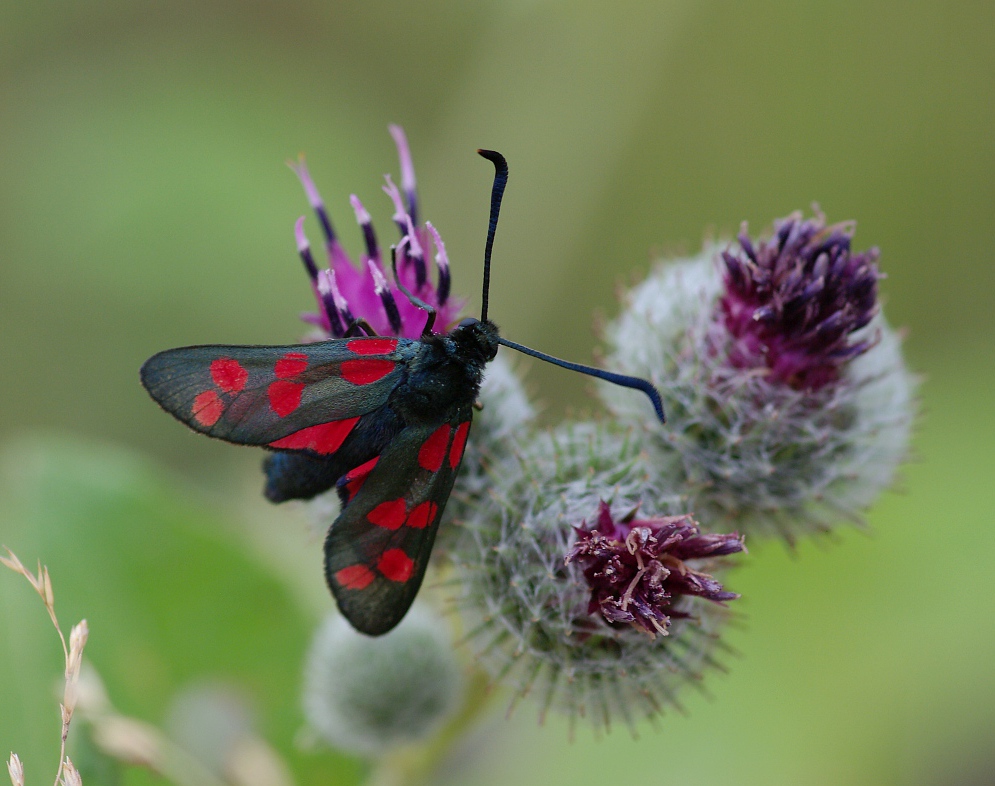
(637, 567)
(346, 293)
(527, 607)
(789, 404)
(366, 695)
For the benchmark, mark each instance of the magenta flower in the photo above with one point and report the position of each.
(637, 568)
(793, 301)
(346, 293)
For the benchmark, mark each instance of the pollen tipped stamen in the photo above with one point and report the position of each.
(407, 171)
(417, 254)
(382, 289)
(400, 214)
(442, 263)
(304, 249)
(323, 319)
(402, 221)
(315, 200)
(366, 224)
(335, 303)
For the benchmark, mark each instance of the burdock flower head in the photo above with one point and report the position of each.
(347, 293)
(637, 567)
(789, 404)
(562, 614)
(793, 301)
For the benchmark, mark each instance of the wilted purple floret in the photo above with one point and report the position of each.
(793, 300)
(346, 292)
(637, 568)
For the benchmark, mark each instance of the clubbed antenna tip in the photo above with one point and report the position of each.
(497, 193)
(623, 380)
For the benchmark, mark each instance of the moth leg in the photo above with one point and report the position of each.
(359, 324)
(417, 302)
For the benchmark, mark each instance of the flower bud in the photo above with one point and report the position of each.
(788, 402)
(365, 695)
(529, 608)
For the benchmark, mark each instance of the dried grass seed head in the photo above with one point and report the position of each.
(15, 768)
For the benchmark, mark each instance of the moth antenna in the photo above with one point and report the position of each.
(497, 193)
(617, 379)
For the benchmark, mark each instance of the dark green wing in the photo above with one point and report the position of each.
(304, 396)
(377, 550)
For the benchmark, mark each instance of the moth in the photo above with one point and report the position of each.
(382, 419)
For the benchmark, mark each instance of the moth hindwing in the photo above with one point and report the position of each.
(377, 550)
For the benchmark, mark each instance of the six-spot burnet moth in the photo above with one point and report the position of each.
(383, 419)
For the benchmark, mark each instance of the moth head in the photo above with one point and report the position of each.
(478, 337)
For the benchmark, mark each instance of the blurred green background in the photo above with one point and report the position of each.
(144, 204)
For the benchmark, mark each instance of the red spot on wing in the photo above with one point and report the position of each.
(423, 515)
(365, 371)
(290, 365)
(207, 408)
(354, 479)
(389, 515)
(372, 346)
(323, 438)
(459, 443)
(355, 577)
(362, 470)
(229, 375)
(396, 565)
(284, 397)
(433, 450)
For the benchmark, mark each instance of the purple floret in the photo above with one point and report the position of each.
(793, 301)
(636, 569)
